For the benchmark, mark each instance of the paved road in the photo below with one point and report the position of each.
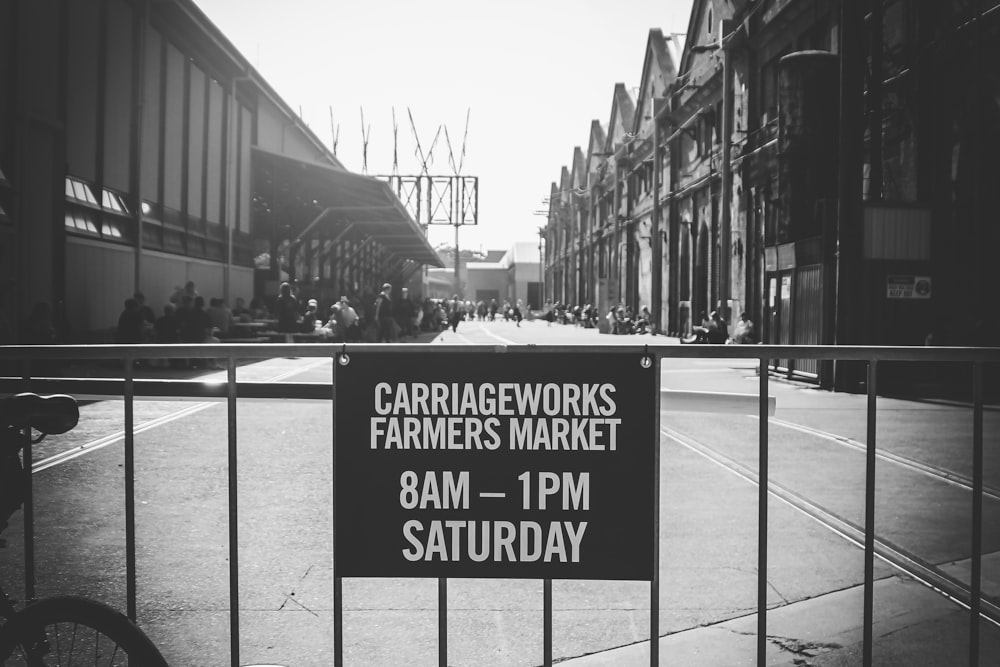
(707, 537)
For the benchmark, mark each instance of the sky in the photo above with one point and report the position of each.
(518, 83)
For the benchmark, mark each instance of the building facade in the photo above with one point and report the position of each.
(823, 166)
(139, 151)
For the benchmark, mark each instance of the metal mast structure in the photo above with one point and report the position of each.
(437, 199)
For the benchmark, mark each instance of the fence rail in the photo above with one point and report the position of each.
(26, 378)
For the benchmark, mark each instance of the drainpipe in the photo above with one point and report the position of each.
(232, 180)
(725, 231)
(140, 23)
(616, 202)
(656, 269)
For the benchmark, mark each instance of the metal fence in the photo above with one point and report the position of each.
(28, 378)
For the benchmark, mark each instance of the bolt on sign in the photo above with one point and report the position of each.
(495, 465)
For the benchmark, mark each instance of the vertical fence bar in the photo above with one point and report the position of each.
(29, 499)
(338, 586)
(654, 587)
(869, 615)
(130, 568)
(762, 517)
(29, 517)
(234, 546)
(547, 622)
(442, 622)
(975, 603)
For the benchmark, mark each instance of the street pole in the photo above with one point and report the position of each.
(458, 261)
(847, 374)
(541, 269)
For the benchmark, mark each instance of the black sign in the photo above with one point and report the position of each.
(495, 465)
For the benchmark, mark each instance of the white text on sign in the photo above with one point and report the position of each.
(499, 541)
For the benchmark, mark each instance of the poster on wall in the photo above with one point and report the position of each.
(907, 287)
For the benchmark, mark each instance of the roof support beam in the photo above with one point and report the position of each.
(336, 240)
(409, 269)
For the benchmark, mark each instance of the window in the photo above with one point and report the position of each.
(81, 221)
(81, 216)
(114, 202)
(80, 191)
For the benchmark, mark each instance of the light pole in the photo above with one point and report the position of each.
(541, 269)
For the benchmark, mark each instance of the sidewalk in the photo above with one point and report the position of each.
(913, 626)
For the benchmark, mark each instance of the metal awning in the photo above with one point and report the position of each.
(343, 199)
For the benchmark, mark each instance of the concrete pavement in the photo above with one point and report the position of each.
(913, 626)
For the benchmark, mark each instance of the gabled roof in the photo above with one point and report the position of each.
(701, 32)
(595, 147)
(622, 117)
(553, 202)
(659, 70)
(579, 173)
(675, 47)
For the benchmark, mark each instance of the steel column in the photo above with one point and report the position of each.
(869, 592)
(234, 546)
(130, 569)
(975, 585)
(762, 482)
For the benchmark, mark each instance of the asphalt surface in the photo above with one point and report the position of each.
(708, 534)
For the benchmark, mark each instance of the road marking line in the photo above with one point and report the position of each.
(463, 339)
(102, 442)
(909, 565)
(505, 341)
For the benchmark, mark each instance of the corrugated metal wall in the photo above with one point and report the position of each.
(808, 289)
(102, 276)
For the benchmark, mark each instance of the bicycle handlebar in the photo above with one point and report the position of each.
(50, 415)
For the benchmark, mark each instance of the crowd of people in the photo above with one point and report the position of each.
(622, 320)
(714, 329)
(385, 317)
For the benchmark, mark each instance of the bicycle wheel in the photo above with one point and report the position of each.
(73, 631)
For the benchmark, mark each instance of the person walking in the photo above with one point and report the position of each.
(455, 313)
(347, 322)
(287, 310)
(383, 314)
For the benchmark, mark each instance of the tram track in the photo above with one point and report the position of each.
(896, 557)
(939, 474)
(104, 441)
